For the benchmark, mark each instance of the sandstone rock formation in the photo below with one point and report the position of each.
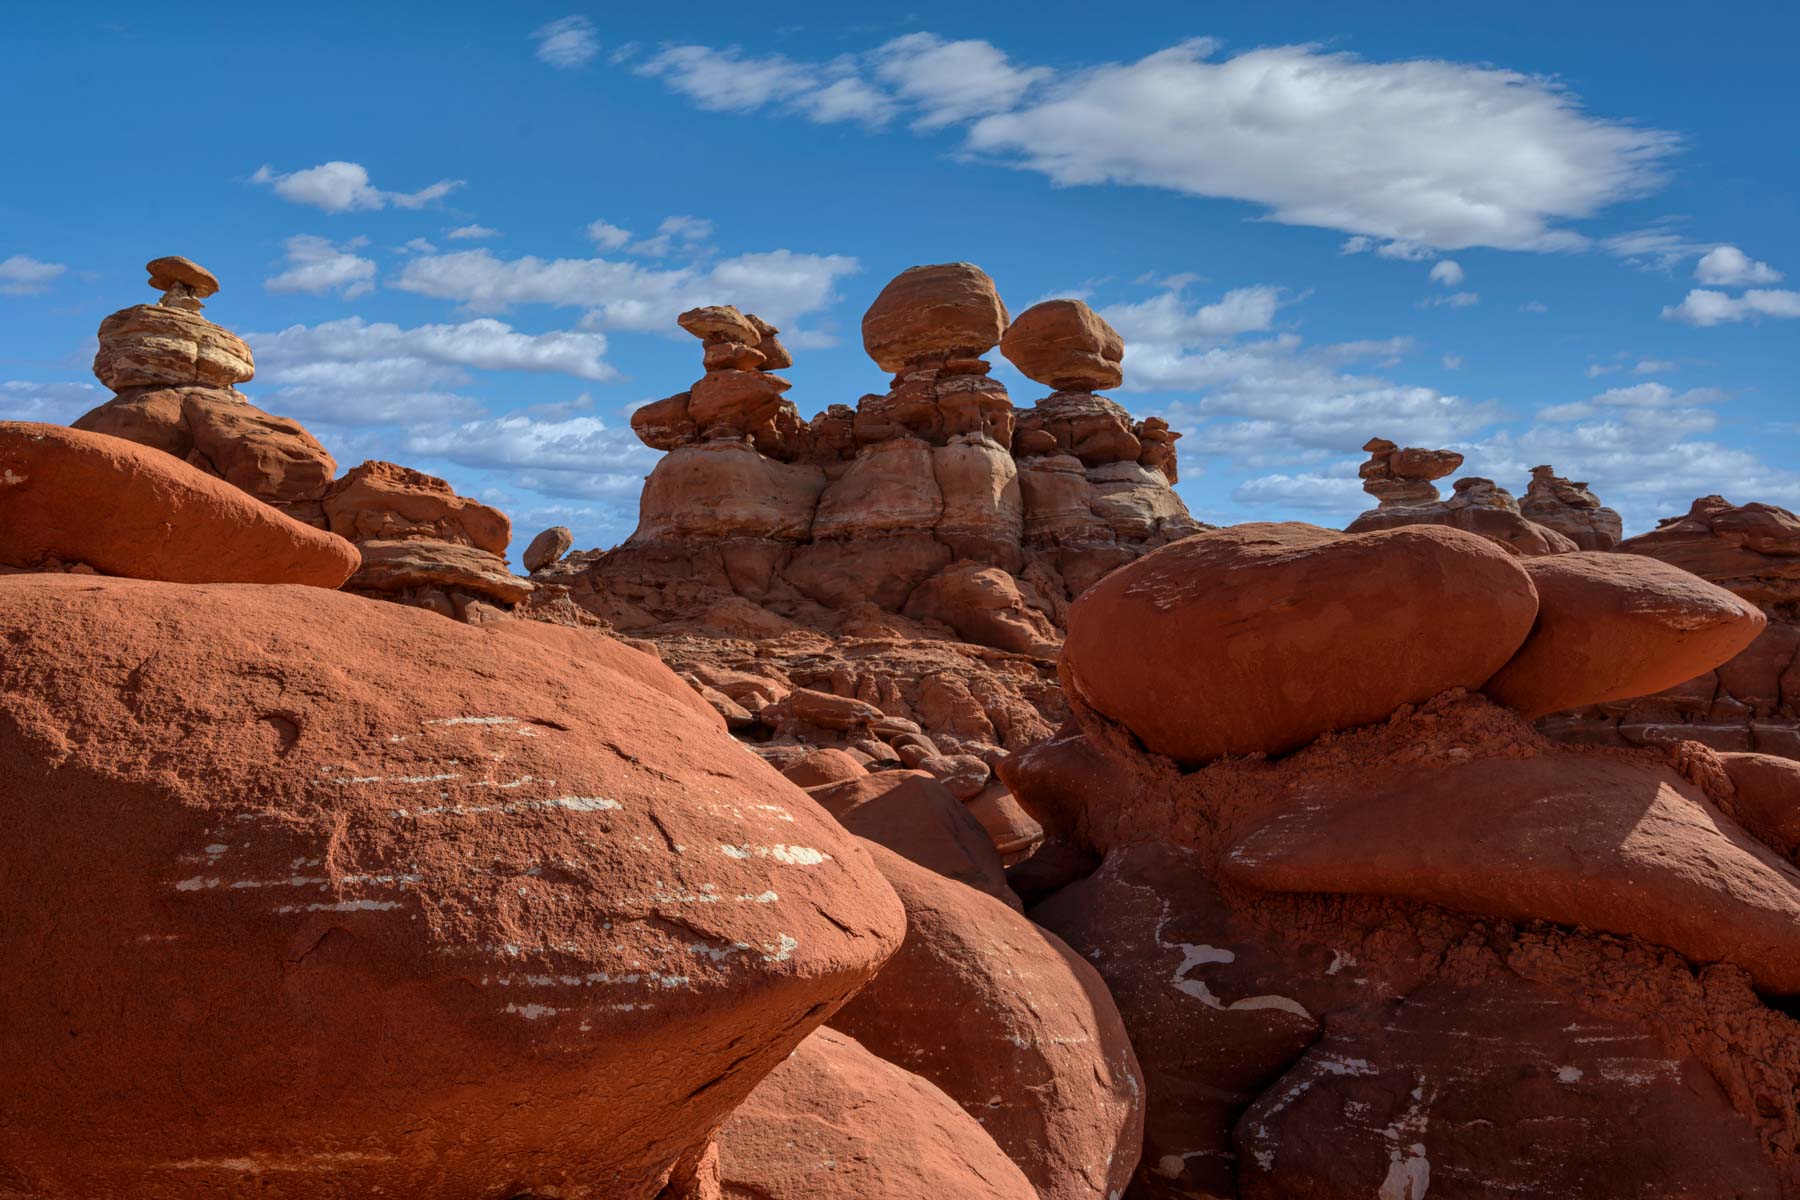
(834, 1122)
(77, 501)
(915, 553)
(1752, 702)
(1345, 959)
(1571, 510)
(1401, 480)
(311, 895)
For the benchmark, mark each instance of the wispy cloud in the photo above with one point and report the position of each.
(339, 187)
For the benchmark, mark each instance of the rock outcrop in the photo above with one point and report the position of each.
(295, 876)
(86, 503)
(1752, 702)
(1401, 480)
(1571, 509)
(1345, 943)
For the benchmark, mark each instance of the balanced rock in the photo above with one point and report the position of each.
(183, 282)
(1284, 632)
(1397, 476)
(1015, 1026)
(1065, 345)
(152, 345)
(1616, 626)
(1571, 509)
(834, 1122)
(252, 825)
(943, 311)
(547, 547)
(77, 498)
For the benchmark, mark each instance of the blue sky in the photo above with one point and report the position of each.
(457, 234)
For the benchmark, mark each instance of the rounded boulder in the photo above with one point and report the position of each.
(132, 510)
(926, 312)
(1615, 626)
(1066, 345)
(1261, 637)
(314, 895)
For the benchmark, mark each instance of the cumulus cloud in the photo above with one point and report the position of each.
(23, 275)
(302, 353)
(608, 236)
(952, 81)
(781, 285)
(1690, 407)
(52, 403)
(471, 233)
(1727, 266)
(338, 187)
(567, 42)
(1448, 272)
(1333, 496)
(1703, 306)
(578, 457)
(317, 266)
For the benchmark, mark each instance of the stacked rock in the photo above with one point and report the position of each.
(739, 397)
(1751, 703)
(1571, 509)
(1367, 929)
(175, 375)
(1401, 479)
(1096, 483)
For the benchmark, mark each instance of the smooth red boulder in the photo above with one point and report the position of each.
(384, 501)
(1767, 802)
(313, 895)
(933, 311)
(1619, 844)
(1015, 1026)
(1259, 638)
(834, 1122)
(1614, 626)
(1498, 1088)
(823, 767)
(1064, 344)
(915, 816)
(126, 509)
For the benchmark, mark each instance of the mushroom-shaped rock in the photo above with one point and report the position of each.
(1615, 626)
(127, 509)
(719, 323)
(172, 270)
(834, 1122)
(1065, 345)
(152, 345)
(1615, 844)
(1015, 1026)
(254, 830)
(950, 309)
(1261, 637)
(547, 547)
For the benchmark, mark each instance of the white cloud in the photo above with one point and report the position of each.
(1405, 251)
(49, 403)
(1449, 272)
(728, 80)
(1455, 300)
(317, 266)
(1595, 370)
(566, 43)
(1168, 318)
(608, 236)
(1704, 307)
(338, 187)
(1657, 247)
(22, 275)
(1452, 362)
(781, 285)
(581, 457)
(1436, 153)
(471, 233)
(1334, 497)
(352, 348)
(1727, 266)
(419, 246)
(952, 81)
(1690, 407)
(1653, 366)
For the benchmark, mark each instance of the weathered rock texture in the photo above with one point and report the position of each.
(315, 896)
(1428, 950)
(1571, 510)
(1401, 480)
(916, 553)
(1751, 703)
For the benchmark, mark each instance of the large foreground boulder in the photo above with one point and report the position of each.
(74, 498)
(1014, 1026)
(257, 833)
(834, 1122)
(1259, 638)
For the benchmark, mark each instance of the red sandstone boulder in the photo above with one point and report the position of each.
(1767, 802)
(834, 1122)
(384, 501)
(950, 309)
(547, 547)
(983, 605)
(173, 269)
(1614, 626)
(916, 817)
(216, 430)
(1261, 637)
(414, 564)
(1753, 549)
(819, 768)
(255, 832)
(1065, 345)
(152, 345)
(1622, 845)
(1015, 1026)
(1497, 1088)
(125, 509)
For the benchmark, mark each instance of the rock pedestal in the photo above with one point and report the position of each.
(1401, 480)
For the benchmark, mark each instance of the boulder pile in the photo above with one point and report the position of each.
(1571, 509)
(1401, 480)
(1373, 935)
